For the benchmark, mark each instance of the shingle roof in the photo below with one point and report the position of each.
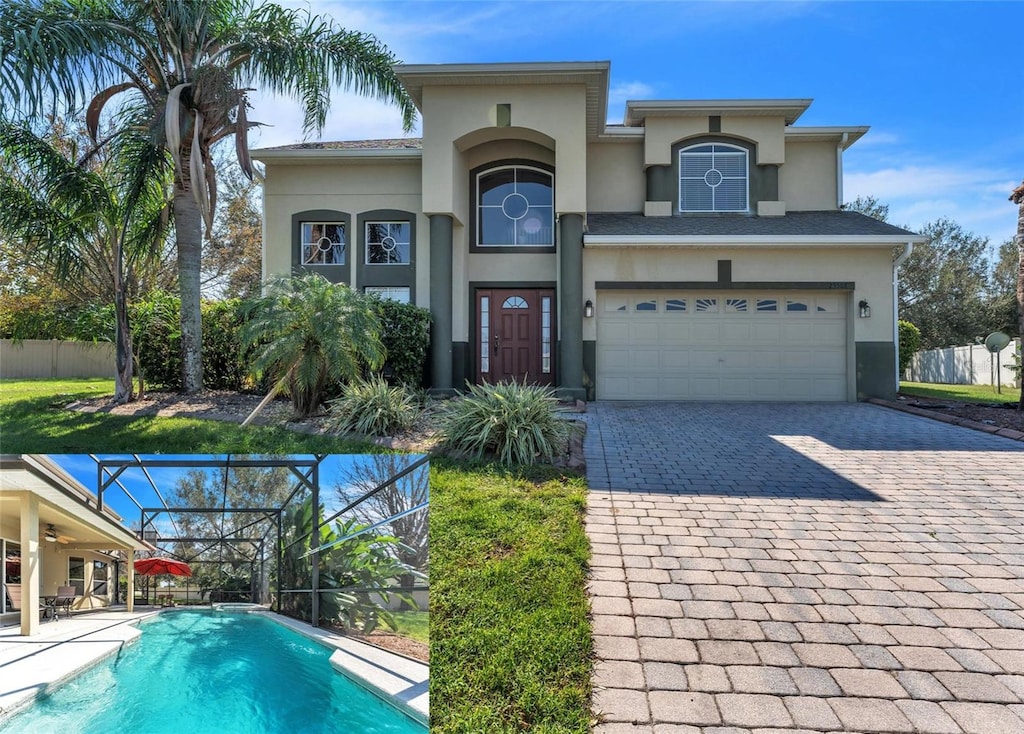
(381, 144)
(803, 224)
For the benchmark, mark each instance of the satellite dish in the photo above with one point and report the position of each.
(996, 341)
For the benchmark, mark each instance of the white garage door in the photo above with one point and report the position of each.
(663, 345)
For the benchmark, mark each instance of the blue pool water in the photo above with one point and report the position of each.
(200, 672)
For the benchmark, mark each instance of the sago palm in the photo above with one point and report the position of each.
(93, 214)
(308, 333)
(185, 67)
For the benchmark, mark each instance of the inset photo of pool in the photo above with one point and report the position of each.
(214, 593)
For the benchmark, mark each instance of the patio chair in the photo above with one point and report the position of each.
(65, 597)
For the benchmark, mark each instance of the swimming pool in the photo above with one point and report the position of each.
(206, 673)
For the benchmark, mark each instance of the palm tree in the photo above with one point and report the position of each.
(309, 333)
(86, 214)
(1017, 197)
(186, 67)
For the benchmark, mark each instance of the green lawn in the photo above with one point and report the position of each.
(33, 420)
(964, 393)
(510, 645)
(413, 625)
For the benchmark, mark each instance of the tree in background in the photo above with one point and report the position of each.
(91, 223)
(226, 488)
(1017, 197)
(233, 257)
(870, 206)
(182, 69)
(1003, 308)
(368, 473)
(944, 284)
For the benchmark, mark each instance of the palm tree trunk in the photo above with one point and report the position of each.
(123, 335)
(188, 232)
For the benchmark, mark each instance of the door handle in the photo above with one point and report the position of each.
(497, 343)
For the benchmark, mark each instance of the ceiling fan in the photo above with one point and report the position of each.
(51, 536)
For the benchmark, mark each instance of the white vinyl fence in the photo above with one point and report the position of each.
(970, 365)
(52, 358)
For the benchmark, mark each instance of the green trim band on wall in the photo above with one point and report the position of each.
(876, 370)
(441, 362)
(333, 273)
(660, 184)
(570, 317)
(371, 275)
(698, 285)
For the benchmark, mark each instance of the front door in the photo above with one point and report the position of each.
(515, 335)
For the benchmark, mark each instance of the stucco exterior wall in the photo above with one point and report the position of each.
(768, 133)
(615, 177)
(869, 268)
(450, 113)
(350, 187)
(808, 180)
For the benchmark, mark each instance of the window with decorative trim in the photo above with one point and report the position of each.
(515, 207)
(387, 243)
(713, 177)
(389, 292)
(323, 243)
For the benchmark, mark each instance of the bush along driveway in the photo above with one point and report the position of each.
(820, 567)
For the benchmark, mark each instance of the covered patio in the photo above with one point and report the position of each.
(54, 533)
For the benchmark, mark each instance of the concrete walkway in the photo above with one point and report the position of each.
(803, 567)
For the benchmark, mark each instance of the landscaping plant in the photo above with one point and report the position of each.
(518, 423)
(308, 334)
(374, 408)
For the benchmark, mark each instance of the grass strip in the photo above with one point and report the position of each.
(33, 419)
(510, 644)
(961, 393)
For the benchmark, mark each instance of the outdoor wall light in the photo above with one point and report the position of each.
(865, 310)
(588, 309)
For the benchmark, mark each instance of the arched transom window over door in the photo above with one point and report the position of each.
(515, 207)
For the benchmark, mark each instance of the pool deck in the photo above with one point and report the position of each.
(30, 666)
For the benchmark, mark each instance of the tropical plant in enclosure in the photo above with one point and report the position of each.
(516, 422)
(356, 576)
(374, 408)
(182, 69)
(307, 334)
(98, 212)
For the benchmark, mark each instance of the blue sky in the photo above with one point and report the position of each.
(939, 83)
(333, 470)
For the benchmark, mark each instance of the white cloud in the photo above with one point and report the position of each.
(974, 197)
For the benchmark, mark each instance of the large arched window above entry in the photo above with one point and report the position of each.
(515, 207)
(713, 177)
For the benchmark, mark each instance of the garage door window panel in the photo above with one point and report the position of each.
(706, 305)
(794, 306)
(678, 305)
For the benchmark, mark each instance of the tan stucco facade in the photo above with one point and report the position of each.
(551, 117)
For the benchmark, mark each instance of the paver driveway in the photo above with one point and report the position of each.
(803, 567)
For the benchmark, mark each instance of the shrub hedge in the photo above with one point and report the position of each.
(155, 337)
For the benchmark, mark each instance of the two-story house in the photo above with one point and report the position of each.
(697, 251)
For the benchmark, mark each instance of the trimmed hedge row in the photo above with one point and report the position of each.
(155, 336)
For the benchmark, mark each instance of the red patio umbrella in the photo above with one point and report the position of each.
(158, 565)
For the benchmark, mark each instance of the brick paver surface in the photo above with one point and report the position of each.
(803, 568)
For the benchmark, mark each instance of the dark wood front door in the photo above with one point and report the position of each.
(515, 335)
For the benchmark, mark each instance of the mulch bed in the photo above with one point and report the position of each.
(1003, 415)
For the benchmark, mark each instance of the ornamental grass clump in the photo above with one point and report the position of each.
(517, 423)
(373, 408)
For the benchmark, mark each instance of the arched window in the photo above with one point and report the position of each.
(713, 178)
(515, 207)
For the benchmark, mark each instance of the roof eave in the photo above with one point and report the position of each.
(638, 110)
(329, 154)
(618, 240)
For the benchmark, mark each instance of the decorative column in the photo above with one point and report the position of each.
(130, 555)
(570, 316)
(441, 303)
(31, 559)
